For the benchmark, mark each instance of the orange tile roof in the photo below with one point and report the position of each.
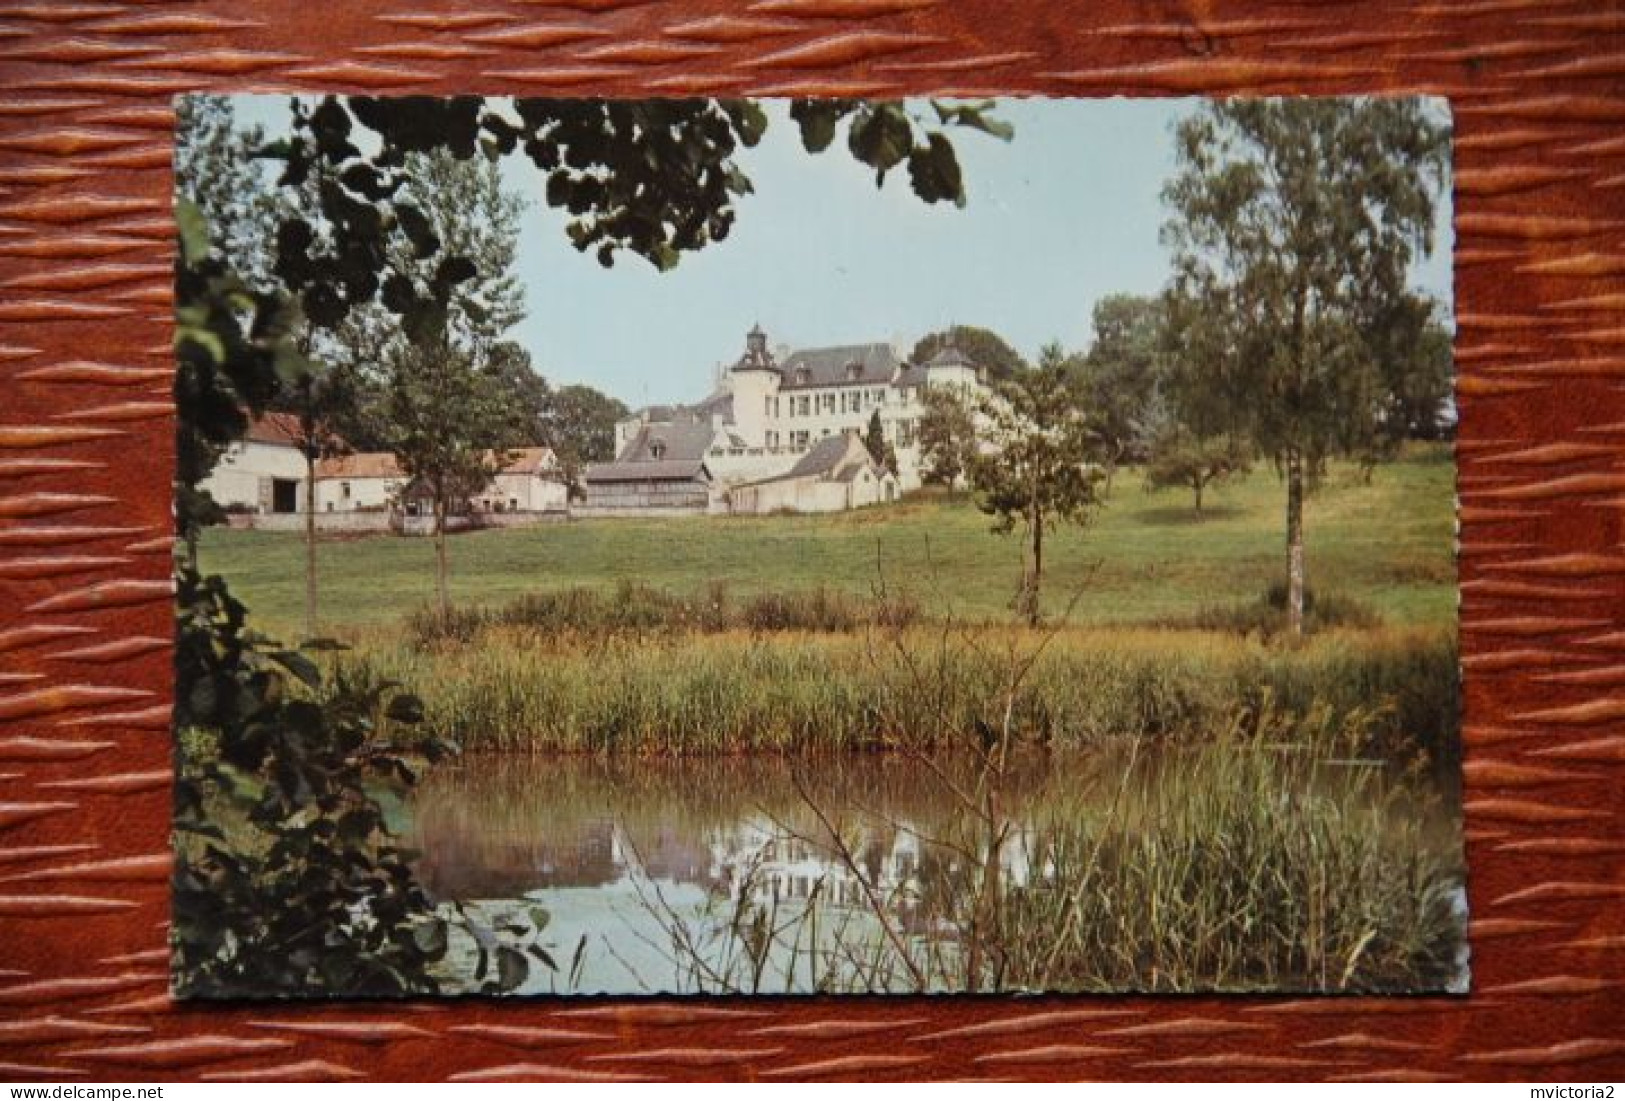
(383, 464)
(530, 460)
(362, 464)
(277, 428)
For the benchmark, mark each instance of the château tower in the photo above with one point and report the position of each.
(754, 381)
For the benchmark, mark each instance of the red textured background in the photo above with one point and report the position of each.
(85, 457)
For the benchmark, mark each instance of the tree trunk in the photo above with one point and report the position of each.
(1036, 576)
(1294, 543)
(310, 544)
(1198, 483)
(440, 572)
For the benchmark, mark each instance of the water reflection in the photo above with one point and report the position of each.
(888, 873)
(689, 875)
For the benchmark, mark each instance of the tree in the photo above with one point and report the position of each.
(458, 396)
(1294, 224)
(1179, 457)
(529, 397)
(1040, 467)
(1118, 377)
(1415, 353)
(947, 437)
(216, 171)
(452, 434)
(580, 428)
(983, 347)
(316, 396)
(227, 218)
(654, 177)
(320, 901)
(232, 348)
(874, 442)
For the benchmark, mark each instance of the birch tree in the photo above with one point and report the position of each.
(1295, 223)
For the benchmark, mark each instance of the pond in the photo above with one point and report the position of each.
(773, 875)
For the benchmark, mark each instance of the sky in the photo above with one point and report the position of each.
(1067, 212)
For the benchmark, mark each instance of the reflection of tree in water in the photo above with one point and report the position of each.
(904, 873)
(499, 827)
(776, 845)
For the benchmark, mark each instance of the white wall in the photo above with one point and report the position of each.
(524, 492)
(366, 494)
(236, 479)
(808, 494)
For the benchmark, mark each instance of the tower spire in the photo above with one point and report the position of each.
(756, 356)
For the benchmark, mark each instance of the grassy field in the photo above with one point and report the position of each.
(1270, 855)
(1145, 558)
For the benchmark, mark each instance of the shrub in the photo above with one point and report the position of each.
(1266, 617)
(287, 879)
(636, 610)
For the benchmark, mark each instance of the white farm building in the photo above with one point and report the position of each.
(262, 474)
(262, 482)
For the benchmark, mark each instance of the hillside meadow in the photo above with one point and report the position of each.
(1146, 558)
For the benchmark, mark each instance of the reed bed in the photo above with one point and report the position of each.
(1248, 862)
(1246, 866)
(518, 689)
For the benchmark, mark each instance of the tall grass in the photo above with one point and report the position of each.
(636, 611)
(798, 691)
(1243, 863)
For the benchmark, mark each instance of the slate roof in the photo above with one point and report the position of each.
(699, 413)
(949, 355)
(823, 457)
(680, 470)
(913, 375)
(876, 364)
(834, 458)
(718, 403)
(682, 458)
(680, 440)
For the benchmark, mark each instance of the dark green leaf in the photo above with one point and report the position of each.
(405, 708)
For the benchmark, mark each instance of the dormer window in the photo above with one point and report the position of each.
(802, 376)
(854, 370)
(657, 449)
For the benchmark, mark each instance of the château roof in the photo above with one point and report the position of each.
(913, 375)
(721, 403)
(875, 364)
(949, 355)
